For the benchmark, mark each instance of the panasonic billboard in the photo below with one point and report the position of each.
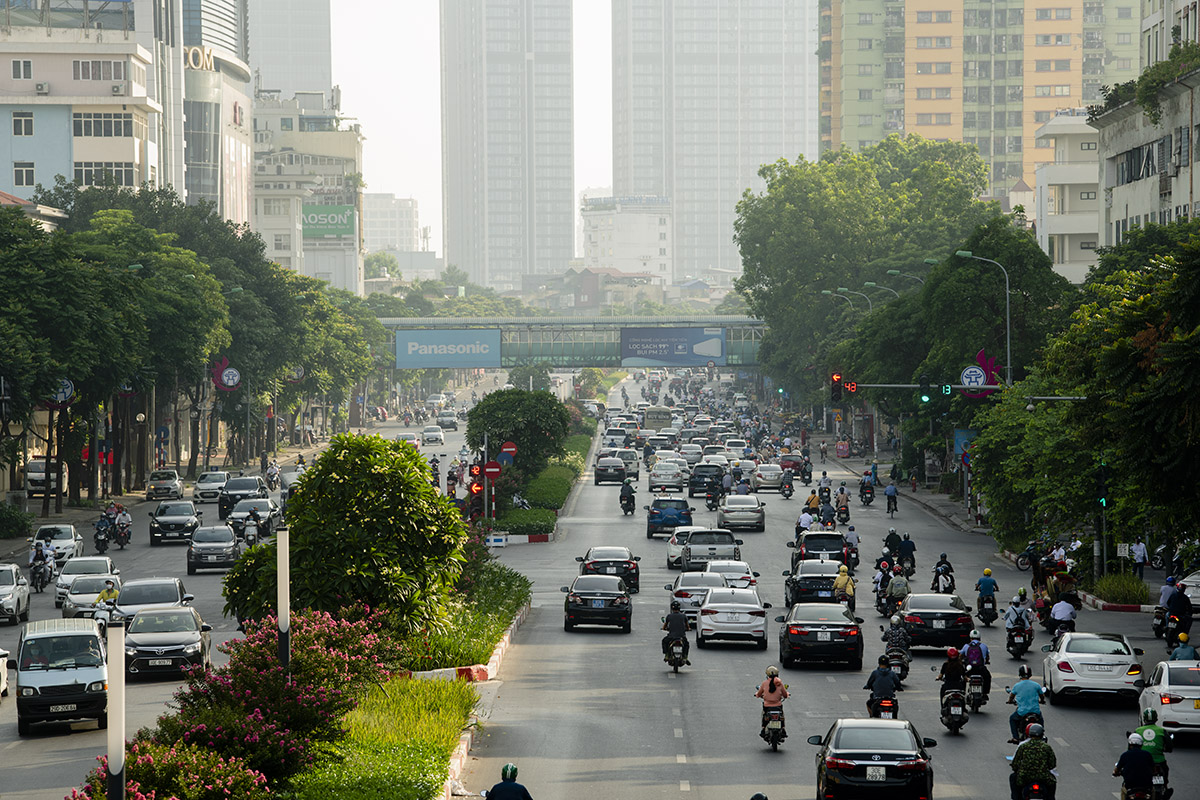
(468, 348)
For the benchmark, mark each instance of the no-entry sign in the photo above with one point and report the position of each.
(491, 469)
(508, 447)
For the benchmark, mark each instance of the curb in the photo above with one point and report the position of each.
(1094, 602)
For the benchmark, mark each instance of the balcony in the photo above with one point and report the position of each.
(1070, 173)
(1077, 222)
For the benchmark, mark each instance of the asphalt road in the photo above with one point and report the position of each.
(596, 714)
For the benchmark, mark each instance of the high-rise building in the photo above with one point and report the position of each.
(390, 223)
(704, 93)
(507, 138)
(291, 47)
(986, 74)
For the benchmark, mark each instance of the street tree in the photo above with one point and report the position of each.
(535, 421)
(381, 265)
(521, 375)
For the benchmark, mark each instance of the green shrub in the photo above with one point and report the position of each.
(179, 771)
(1122, 588)
(552, 485)
(579, 444)
(522, 522)
(14, 523)
(570, 461)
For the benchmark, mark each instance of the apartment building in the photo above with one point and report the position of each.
(630, 235)
(1067, 197)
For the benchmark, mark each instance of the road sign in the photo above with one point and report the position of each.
(504, 460)
(837, 417)
(509, 447)
(1123, 550)
(712, 364)
(492, 469)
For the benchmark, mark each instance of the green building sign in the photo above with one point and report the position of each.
(328, 221)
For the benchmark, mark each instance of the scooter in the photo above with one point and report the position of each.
(250, 533)
(712, 500)
(987, 610)
(1159, 625)
(122, 535)
(101, 539)
(675, 654)
(867, 495)
(843, 514)
(806, 476)
(103, 614)
(885, 708)
(954, 710)
(1018, 642)
(943, 582)
(786, 491)
(628, 504)
(40, 575)
(975, 697)
(774, 733)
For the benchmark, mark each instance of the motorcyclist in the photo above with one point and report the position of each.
(109, 592)
(826, 482)
(882, 562)
(908, 549)
(987, 585)
(953, 674)
(851, 538)
(743, 487)
(124, 519)
(1034, 762)
(1184, 651)
(1026, 602)
(944, 562)
(883, 575)
(627, 489)
(940, 572)
(508, 788)
(42, 558)
(726, 482)
(1018, 618)
(1180, 606)
(1156, 742)
(803, 522)
(976, 656)
(813, 503)
(1063, 615)
(892, 541)
(786, 480)
(676, 626)
(828, 515)
(824, 451)
(256, 518)
(773, 693)
(882, 683)
(842, 498)
(1166, 592)
(891, 493)
(1135, 767)
(844, 584)
(1026, 695)
(897, 588)
(897, 636)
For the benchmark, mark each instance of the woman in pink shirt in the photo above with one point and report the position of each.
(773, 692)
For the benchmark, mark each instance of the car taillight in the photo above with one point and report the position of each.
(802, 551)
(963, 621)
(913, 618)
(1063, 666)
(750, 579)
(1134, 669)
(574, 598)
(654, 511)
(915, 765)
(798, 631)
(630, 565)
(621, 601)
(589, 565)
(706, 612)
(838, 763)
(849, 631)
(1169, 699)
(758, 613)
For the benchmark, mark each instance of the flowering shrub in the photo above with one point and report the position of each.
(158, 772)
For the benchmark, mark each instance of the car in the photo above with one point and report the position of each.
(824, 545)
(717, 458)
(208, 487)
(238, 489)
(447, 421)
(730, 614)
(792, 461)
(213, 546)
(14, 594)
(873, 758)
(820, 632)
(64, 539)
(174, 520)
(691, 588)
(675, 544)
(736, 445)
(742, 511)
(614, 437)
(85, 565)
(715, 450)
(666, 476)
(810, 581)
(436, 401)
(164, 483)
(667, 513)
(1092, 663)
(709, 544)
(597, 600)
(433, 434)
(81, 594)
(617, 561)
(167, 641)
(610, 469)
(705, 476)
(680, 462)
(1173, 690)
(692, 453)
(936, 620)
(409, 438)
(633, 464)
(671, 434)
(766, 476)
(268, 511)
(737, 573)
(35, 478)
(142, 594)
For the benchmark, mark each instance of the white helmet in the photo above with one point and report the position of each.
(1135, 740)
(895, 619)
(1016, 601)
(772, 671)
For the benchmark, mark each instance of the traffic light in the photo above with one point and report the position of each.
(475, 471)
(780, 390)
(926, 392)
(947, 389)
(1102, 484)
(475, 499)
(835, 386)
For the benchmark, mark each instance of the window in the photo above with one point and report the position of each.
(941, 16)
(23, 173)
(866, 44)
(1062, 65)
(283, 241)
(1042, 116)
(924, 93)
(1043, 141)
(22, 70)
(1015, 93)
(1125, 13)
(662, 237)
(105, 125)
(1123, 63)
(1124, 38)
(1058, 39)
(933, 119)
(1041, 65)
(865, 94)
(1087, 245)
(941, 68)
(98, 70)
(1087, 145)
(1042, 13)
(865, 120)
(866, 19)
(274, 207)
(866, 69)
(662, 251)
(1014, 119)
(662, 220)
(924, 68)
(1087, 195)
(285, 123)
(941, 92)
(1057, 90)
(968, 122)
(95, 173)
(1062, 13)
(924, 16)
(22, 123)
(927, 42)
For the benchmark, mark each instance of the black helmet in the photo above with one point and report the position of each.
(676, 605)
(1024, 672)
(758, 796)
(883, 661)
(508, 772)
(943, 556)
(906, 535)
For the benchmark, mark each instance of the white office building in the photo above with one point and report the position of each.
(1067, 194)
(629, 234)
(390, 223)
(291, 45)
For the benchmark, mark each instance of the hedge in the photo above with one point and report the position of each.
(1122, 588)
(580, 443)
(551, 487)
(528, 522)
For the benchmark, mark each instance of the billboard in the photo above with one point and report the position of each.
(467, 348)
(324, 221)
(672, 347)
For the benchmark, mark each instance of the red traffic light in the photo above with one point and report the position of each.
(836, 377)
(475, 470)
(476, 487)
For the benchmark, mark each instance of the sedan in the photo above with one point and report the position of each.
(1173, 690)
(153, 594)
(737, 573)
(88, 565)
(410, 438)
(820, 632)
(81, 594)
(173, 521)
(742, 511)
(64, 539)
(736, 615)
(216, 546)
(268, 511)
(667, 476)
(167, 641)
(611, 469)
(1094, 663)
(14, 594)
(238, 489)
(766, 476)
(675, 545)
(597, 600)
(810, 582)
(691, 588)
(691, 453)
(821, 545)
(164, 483)
(936, 620)
(433, 434)
(617, 561)
(873, 758)
(208, 487)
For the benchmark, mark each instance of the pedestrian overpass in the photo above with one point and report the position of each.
(588, 341)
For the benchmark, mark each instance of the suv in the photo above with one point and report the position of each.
(704, 477)
(709, 545)
(36, 478)
(633, 464)
(173, 521)
(208, 486)
(164, 483)
(447, 421)
(826, 545)
(666, 514)
(61, 673)
(238, 489)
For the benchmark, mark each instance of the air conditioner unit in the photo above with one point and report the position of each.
(42, 88)
(118, 89)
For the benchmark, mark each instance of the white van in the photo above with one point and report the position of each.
(740, 401)
(36, 477)
(62, 673)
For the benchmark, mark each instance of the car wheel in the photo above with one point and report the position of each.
(856, 664)
(627, 627)
(785, 658)
(24, 615)
(701, 642)
(568, 625)
(762, 645)
(155, 542)
(22, 727)
(58, 603)
(597, 481)
(649, 533)
(191, 569)
(1054, 697)
(669, 564)
(102, 721)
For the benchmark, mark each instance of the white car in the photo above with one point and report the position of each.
(65, 540)
(1173, 690)
(732, 614)
(82, 593)
(1093, 663)
(410, 438)
(208, 487)
(692, 453)
(679, 537)
(666, 476)
(691, 588)
(432, 434)
(14, 594)
(86, 565)
(737, 573)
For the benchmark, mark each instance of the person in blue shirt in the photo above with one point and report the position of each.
(986, 586)
(508, 788)
(1026, 695)
(1185, 651)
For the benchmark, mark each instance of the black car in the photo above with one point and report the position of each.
(705, 477)
(820, 545)
(873, 757)
(236, 489)
(617, 561)
(936, 620)
(167, 640)
(820, 632)
(611, 469)
(269, 514)
(174, 520)
(810, 582)
(597, 600)
(215, 546)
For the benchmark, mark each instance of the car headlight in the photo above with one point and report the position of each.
(130, 652)
(26, 691)
(153, 523)
(192, 649)
(97, 686)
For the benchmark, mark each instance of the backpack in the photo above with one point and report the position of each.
(973, 654)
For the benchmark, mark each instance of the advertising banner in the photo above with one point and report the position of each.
(459, 348)
(324, 221)
(672, 347)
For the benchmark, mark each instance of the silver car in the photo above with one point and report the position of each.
(81, 595)
(742, 511)
(691, 588)
(732, 614)
(766, 476)
(164, 483)
(88, 565)
(14, 594)
(143, 594)
(208, 487)
(667, 476)
(692, 453)
(737, 573)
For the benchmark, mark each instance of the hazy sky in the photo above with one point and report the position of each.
(386, 59)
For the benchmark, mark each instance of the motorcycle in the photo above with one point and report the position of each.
(123, 535)
(823, 494)
(675, 654)
(1159, 787)
(843, 514)
(987, 610)
(975, 697)
(867, 495)
(786, 491)
(885, 708)
(881, 603)
(943, 582)
(1018, 642)
(407, 421)
(272, 481)
(891, 505)
(103, 614)
(100, 538)
(1027, 557)
(773, 718)
(712, 499)
(853, 557)
(627, 504)
(954, 710)
(40, 574)
(909, 567)
(806, 476)
(250, 533)
(1159, 625)
(1171, 632)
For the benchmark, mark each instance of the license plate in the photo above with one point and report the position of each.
(896, 668)
(823, 636)
(1158, 780)
(939, 623)
(774, 724)
(678, 651)
(62, 708)
(735, 617)
(160, 662)
(1196, 703)
(877, 773)
(885, 715)
(597, 604)
(1018, 639)
(611, 570)
(955, 711)
(1100, 668)
(824, 594)
(211, 558)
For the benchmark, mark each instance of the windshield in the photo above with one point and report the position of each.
(213, 477)
(817, 569)
(163, 623)
(740, 596)
(80, 566)
(765, 469)
(7, 578)
(823, 542)
(711, 537)
(935, 602)
(707, 469)
(89, 585)
(163, 476)
(175, 510)
(60, 652)
(609, 554)
(596, 583)
(815, 612)
(741, 502)
(702, 579)
(676, 505)
(241, 485)
(1098, 647)
(244, 506)
(36, 467)
(212, 535)
(870, 739)
(148, 593)
(50, 534)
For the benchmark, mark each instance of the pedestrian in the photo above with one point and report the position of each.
(1137, 552)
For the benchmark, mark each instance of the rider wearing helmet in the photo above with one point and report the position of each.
(676, 626)
(627, 489)
(1032, 763)
(987, 585)
(1026, 695)
(1155, 742)
(944, 562)
(773, 693)
(1185, 651)
(843, 584)
(508, 788)
(896, 635)
(908, 549)
(883, 683)
(953, 674)
(1167, 590)
(897, 588)
(892, 541)
(976, 656)
(1136, 766)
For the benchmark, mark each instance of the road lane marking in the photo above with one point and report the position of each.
(1061, 741)
(675, 712)
(12, 744)
(684, 786)
(1089, 768)
(680, 759)
(679, 735)
(845, 698)
(830, 678)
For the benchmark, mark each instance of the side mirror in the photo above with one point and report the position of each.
(968, 609)
(637, 558)
(763, 505)
(669, 588)
(790, 543)
(150, 515)
(756, 574)
(1008, 690)
(647, 508)
(881, 627)
(205, 628)
(859, 620)
(187, 598)
(691, 509)
(1137, 651)
(21, 581)
(779, 618)
(927, 742)
(565, 589)
(116, 572)
(579, 559)
(766, 605)
(199, 513)
(817, 740)
(1045, 648)
(738, 542)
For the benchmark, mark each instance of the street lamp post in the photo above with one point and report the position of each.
(895, 273)
(874, 285)
(832, 294)
(1007, 311)
(870, 305)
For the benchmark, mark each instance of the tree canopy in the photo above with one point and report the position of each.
(535, 421)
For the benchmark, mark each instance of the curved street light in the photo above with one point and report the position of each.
(874, 285)
(1007, 311)
(834, 294)
(898, 274)
(870, 305)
